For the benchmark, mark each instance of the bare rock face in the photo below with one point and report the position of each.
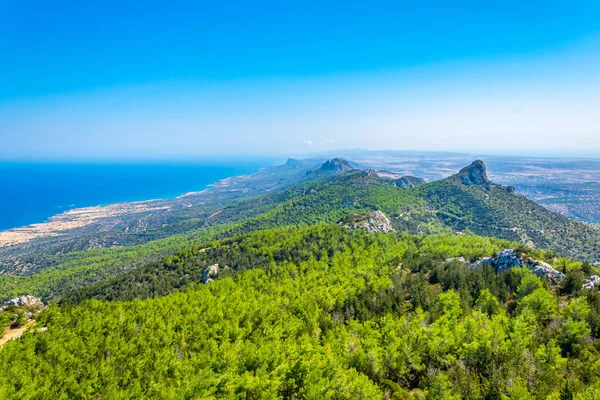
(210, 273)
(543, 269)
(331, 167)
(337, 165)
(506, 259)
(409, 181)
(379, 222)
(26, 301)
(291, 162)
(458, 259)
(373, 222)
(474, 174)
(591, 283)
(509, 258)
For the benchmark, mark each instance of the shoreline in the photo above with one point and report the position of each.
(73, 219)
(79, 217)
(49, 219)
(38, 193)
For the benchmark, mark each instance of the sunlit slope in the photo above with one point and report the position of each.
(448, 205)
(319, 312)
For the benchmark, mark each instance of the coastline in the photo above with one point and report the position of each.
(61, 222)
(73, 219)
(36, 192)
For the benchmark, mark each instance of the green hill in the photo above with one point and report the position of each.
(319, 312)
(493, 210)
(272, 298)
(449, 205)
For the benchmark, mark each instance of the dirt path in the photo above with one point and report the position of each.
(10, 334)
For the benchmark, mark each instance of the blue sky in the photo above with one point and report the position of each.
(199, 79)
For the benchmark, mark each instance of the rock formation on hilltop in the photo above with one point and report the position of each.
(474, 174)
(332, 167)
(373, 222)
(210, 273)
(509, 258)
(26, 301)
(336, 165)
(292, 162)
(409, 181)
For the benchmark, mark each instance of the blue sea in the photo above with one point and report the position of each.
(33, 192)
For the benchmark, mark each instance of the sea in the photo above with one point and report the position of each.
(33, 192)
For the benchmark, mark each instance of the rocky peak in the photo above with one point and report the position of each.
(336, 165)
(409, 181)
(474, 174)
(370, 172)
(292, 162)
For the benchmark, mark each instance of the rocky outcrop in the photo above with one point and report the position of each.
(509, 258)
(292, 162)
(370, 172)
(379, 222)
(591, 283)
(210, 273)
(330, 168)
(26, 301)
(475, 174)
(337, 165)
(373, 222)
(409, 181)
(459, 259)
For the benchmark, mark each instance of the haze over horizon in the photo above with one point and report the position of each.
(183, 80)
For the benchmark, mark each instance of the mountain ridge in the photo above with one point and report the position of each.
(443, 206)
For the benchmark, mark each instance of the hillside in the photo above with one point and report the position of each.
(31, 249)
(488, 209)
(479, 206)
(317, 312)
(449, 205)
(288, 295)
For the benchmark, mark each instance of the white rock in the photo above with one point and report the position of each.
(213, 270)
(459, 259)
(210, 273)
(25, 301)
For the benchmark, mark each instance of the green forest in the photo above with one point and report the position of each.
(300, 200)
(437, 207)
(318, 312)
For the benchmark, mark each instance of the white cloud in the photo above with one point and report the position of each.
(308, 142)
(328, 141)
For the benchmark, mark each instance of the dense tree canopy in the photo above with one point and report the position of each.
(316, 312)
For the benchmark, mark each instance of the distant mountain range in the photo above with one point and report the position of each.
(296, 193)
(308, 279)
